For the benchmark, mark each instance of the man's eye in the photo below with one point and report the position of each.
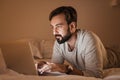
(59, 26)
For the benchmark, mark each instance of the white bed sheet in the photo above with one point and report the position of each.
(68, 77)
(109, 74)
(112, 74)
(12, 75)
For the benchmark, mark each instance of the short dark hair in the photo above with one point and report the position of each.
(69, 12)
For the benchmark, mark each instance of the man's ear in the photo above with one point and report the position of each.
(73, 27)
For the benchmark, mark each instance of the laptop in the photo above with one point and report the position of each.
(18, 57)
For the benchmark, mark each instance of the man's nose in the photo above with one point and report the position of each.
(55, 31)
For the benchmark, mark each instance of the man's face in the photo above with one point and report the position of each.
(61, 29)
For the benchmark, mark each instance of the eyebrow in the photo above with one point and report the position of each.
(57, 24)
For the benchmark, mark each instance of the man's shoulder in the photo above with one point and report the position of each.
(84, 32)
(86, 36)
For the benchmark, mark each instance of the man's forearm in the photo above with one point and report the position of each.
(66, 69)
(59, 67)
(76, 71)
(63, 68)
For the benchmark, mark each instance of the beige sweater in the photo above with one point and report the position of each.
(89, 54)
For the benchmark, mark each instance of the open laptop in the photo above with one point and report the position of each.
(18, 57)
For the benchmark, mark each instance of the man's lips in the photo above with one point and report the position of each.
(57, 36)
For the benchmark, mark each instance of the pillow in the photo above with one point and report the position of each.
(3, 67)
(35, 48)
(47, 48)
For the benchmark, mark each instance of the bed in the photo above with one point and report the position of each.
(110, 74)
(9, 74)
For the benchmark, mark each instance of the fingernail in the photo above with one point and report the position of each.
(41, 72)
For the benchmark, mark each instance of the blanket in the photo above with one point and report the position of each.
(109, 74)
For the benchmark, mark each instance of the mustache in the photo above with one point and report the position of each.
(56, 35)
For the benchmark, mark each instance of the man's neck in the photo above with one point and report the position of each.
(71, 42)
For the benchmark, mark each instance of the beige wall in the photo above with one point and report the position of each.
(29, 18)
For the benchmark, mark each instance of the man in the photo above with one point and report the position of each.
(81, 48)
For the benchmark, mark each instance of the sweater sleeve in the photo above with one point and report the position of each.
(57, 57)
(93, 56)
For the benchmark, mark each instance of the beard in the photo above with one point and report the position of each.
(60, 39)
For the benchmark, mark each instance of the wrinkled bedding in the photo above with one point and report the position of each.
(109, 74)
(112, 74)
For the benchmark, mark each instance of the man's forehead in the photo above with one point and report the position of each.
(58, 22)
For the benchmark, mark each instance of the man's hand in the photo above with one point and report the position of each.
(45, 68)
(48, 67)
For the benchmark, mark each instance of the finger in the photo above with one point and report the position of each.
(45, 68)
(47, 62)
(40, 71)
